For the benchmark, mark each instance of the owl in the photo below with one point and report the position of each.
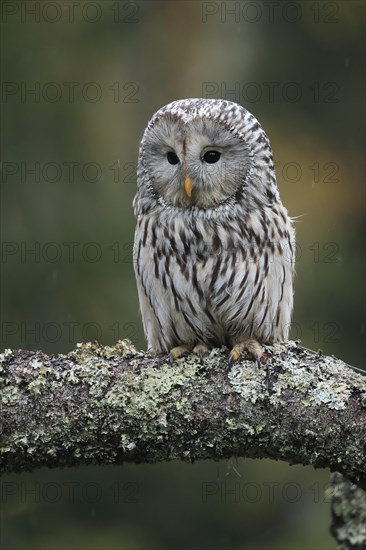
(214, 246)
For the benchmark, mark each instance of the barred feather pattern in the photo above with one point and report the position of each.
(217, 268)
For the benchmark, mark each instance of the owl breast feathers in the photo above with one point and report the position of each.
(214, 247)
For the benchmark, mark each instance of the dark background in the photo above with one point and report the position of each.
(80, 82)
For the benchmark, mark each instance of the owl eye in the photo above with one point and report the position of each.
(211, 156)
(172, 157)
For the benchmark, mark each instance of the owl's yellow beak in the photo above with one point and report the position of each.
(188, 186)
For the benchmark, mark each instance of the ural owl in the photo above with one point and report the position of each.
(214, 247)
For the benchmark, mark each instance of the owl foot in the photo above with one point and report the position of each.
(200, 350)
(177, 352)
(254, 348)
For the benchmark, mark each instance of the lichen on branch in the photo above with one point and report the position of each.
(114, 404)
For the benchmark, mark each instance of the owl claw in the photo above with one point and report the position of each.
(234, 356)
(252, 346)
(200, 350)
(177, 353)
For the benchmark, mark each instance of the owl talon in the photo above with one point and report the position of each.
(234, 356)
(177, 353)
(252, 346)
(200, 350)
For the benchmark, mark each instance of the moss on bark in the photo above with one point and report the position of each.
(116, 404)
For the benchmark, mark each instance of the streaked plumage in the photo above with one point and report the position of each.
(215, 267)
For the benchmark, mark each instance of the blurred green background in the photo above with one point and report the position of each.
(80, 81)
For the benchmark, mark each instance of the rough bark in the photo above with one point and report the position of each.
(116, 404)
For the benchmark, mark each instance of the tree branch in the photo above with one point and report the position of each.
(115, 404)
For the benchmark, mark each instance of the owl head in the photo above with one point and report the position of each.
(204, 153)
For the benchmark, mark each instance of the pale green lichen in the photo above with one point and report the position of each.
(244, 426)
(10, 395)
(324, 387)
(248, 381)
(35, 387)
(330, 392)
(280, 347)
(90, 350)
(319, 385)
(5, 356)
(349, 511)
(296, 378)
(144, 393)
